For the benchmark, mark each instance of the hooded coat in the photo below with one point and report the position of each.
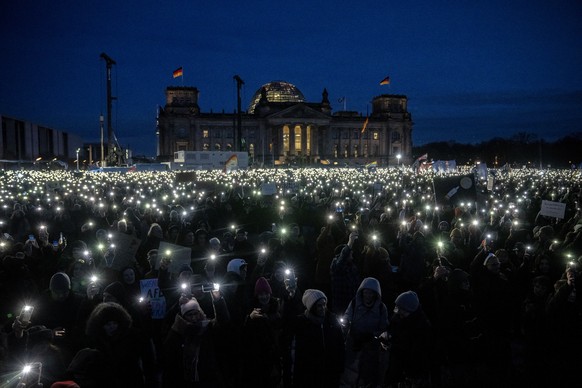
(366, 362)
(129, 353)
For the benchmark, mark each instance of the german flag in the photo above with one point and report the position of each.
(178, 72)
(385, 81)
(365, 124)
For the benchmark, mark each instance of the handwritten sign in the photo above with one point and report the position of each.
(553, 209)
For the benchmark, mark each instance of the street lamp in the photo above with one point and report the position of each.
(398, 158)
(78, 149)
(102, 151)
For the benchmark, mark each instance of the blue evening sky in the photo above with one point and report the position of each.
(472, 70)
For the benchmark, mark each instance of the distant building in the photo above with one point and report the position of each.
(26, 141)
(281, 127)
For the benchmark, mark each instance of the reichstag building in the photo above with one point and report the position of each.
(280, 127)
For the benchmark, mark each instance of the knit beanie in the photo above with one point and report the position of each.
(192, 304)
(262, 286)
(117, 290)
(408, 301)
(311, 296)
(60, 282)
(234, 265)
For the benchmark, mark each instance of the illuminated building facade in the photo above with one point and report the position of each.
(281, 127)
(26, 141)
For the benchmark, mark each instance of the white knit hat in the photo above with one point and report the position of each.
(311, 296)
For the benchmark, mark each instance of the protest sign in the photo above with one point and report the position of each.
(179, 255)
(553, 209)
(151, 293)
(454, 190)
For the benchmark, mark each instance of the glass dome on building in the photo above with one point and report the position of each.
(277, 91)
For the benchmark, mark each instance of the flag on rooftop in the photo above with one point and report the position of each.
(178, 72)
(385, 81)
(365, 124)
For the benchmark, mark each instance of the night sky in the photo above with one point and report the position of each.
(471, 70)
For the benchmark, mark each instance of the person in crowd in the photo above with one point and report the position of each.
(189, 348)
(152, 260)
(261, 332)
(329, 238)
(154, 236)
(128, 352)
(411, 343)
(296, 255)
(536, 331)
(413, 260)
(486, 327)
(130, 280)
(57, 309)
(345, 278)
(493, 301)
(244, 249)
(458, 338)
(375, 262)
(237, 296)
(319, 354)
(366, 319)
(565, 319)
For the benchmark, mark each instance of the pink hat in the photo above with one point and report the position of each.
(262, 286)
(65, 384)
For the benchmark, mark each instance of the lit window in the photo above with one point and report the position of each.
(375, 135)
(285, 139)
(297, 138)
(205, 134)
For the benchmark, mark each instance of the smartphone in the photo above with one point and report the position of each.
(55, 243)
(30, 375)
(31, 237)
(210, 287)
(26, 313)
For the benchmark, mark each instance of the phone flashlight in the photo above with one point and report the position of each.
(26, 313)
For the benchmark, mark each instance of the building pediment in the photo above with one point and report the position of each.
(298, 112)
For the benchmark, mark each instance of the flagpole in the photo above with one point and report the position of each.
(345, 102)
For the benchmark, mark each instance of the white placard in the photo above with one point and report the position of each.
(553, 209)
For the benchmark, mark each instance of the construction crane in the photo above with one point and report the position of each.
(115, 155)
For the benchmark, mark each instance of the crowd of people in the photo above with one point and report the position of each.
(289, 278)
